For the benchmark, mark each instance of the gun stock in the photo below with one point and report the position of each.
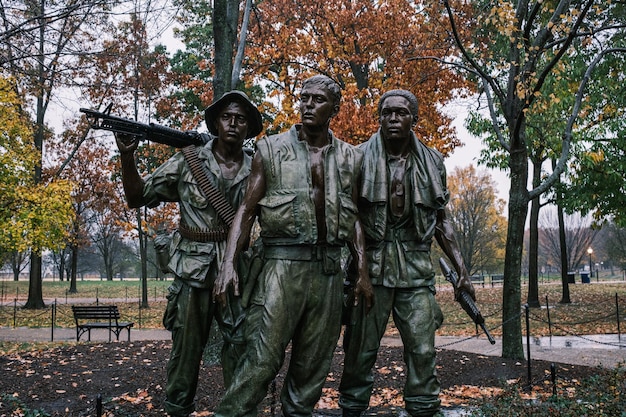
(466, 301)
(152, 132)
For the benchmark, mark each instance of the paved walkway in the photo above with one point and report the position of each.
(597, 350)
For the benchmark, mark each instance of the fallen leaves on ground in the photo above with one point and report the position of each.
(130, 378)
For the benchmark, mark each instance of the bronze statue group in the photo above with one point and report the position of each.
(313, 196)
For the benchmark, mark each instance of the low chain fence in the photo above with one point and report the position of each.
(59, 315)
(605, 317)
(125, 292)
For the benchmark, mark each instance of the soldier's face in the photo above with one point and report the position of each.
(232, 123)
(316, 105)
(396, 120)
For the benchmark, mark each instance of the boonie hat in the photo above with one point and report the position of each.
(255, 122)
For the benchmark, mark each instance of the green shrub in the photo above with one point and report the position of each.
(595, 397)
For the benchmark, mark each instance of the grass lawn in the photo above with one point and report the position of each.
(593, 309)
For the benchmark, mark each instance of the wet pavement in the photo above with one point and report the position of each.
(591, 350)
(606, 351)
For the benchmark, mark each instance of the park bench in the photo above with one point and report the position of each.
(497, 279)
(99, 317)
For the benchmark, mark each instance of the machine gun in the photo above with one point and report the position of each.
(465, 299)
(153, 132)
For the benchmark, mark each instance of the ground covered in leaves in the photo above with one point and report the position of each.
(129, 377)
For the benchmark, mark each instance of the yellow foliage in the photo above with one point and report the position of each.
(33, 216)
(596, 157)
(502, 17)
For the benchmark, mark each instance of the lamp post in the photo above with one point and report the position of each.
(590, 252)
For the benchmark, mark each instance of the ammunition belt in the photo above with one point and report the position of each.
(198, 234)
(217, 200)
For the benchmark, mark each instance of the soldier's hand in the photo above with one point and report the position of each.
(226, 278)
(464, 284)
(127, 144)
(363, 289)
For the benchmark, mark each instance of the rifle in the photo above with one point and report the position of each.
(465, 299)
(153, 132)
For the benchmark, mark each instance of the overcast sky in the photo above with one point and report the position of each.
(469, 153)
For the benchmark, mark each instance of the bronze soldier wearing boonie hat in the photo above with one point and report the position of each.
(211, 113)
(197, 247)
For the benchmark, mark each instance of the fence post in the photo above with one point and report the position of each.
(99, 405)
(549, 322)
(14, 312)
(619, 334)
(53, 319)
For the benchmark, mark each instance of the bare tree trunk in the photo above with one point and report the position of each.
(61, 266)
(511, 296)
(74, 270)
(532, 297)
(61, 271)
(236, 75)
(565, 297)
(108, 264)
(35, 292)
(17, 264)
(225, 22)
(144, 262)
(533, 245)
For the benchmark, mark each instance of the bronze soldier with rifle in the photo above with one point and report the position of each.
(207, 180)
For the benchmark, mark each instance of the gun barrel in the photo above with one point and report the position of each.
(173, 137)
(489, 336)
(152, 131)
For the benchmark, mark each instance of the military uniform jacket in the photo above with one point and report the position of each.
(174, 182)
(287, 211)
(398, 250)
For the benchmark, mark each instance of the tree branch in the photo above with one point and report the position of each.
(455, 33)
(567, 135)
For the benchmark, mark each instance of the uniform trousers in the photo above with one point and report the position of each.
(189, 316)
(416, 315)
(295, 302)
